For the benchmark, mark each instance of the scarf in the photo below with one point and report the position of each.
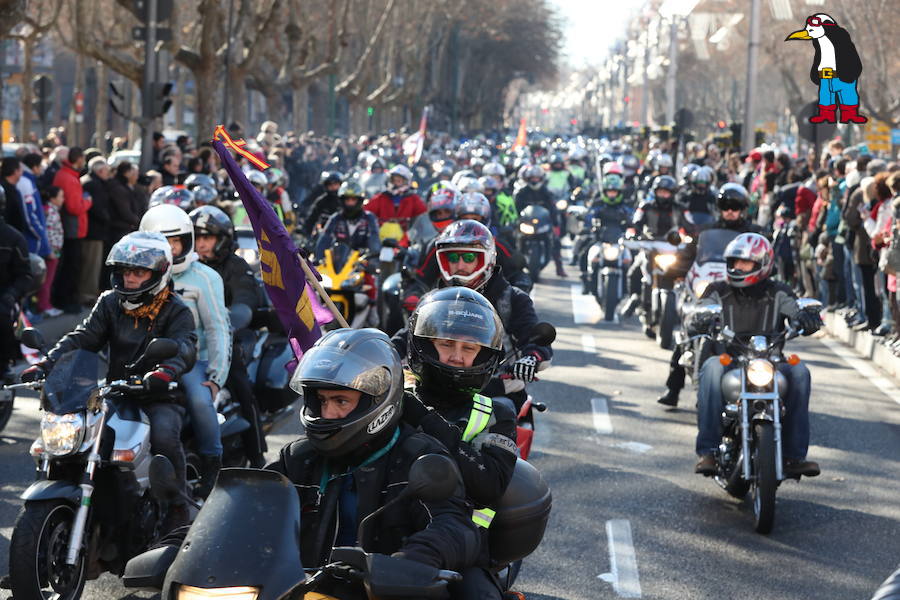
(149, 311)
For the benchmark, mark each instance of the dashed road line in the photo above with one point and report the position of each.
(584, 308)
(600, 409)
(623, 570)
(588, 344)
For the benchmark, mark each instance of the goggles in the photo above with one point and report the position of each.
(466, 257)
(817, 22)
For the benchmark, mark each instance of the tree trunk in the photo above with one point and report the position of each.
(76, 129)
(27, 96)
(179, 96)
(206, 96)
(238, 91)
(101, 111)
(300, 108)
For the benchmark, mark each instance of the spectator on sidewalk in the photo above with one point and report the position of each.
(55, 237)
(14, 211)
(75, 226)
(96, 186)
(36, 232)
(126, 207)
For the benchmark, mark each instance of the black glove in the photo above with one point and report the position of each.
(525, 367)
(389, 243)
(157, 382)
(808, 323)
(34, 373)
(413, 410)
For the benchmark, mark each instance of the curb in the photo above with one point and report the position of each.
(863, 343)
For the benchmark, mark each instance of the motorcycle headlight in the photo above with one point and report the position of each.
(326, 280)
(243, 592)
(664, 261)
(760, 372)
(610, 252)
(61, 434)
(700, 286)
(526, 228)
(248, 254)
(561, 204)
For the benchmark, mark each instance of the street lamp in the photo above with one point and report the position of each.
(675, 11)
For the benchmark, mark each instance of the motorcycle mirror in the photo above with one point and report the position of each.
(32, 338)
(148, 570)
(543, 334)
(433, 478)
(673, 237)
(164, 484)
(240, 315)
(160, 348)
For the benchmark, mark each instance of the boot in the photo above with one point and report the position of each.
(176, 516)
(585, 287)
(670, 398)
(631, 305)
(706, 465)
(794, 467)
(560, 272)
(849, 114)
(826, 114)
(209, 470)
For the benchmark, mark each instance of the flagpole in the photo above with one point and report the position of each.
(322, 293)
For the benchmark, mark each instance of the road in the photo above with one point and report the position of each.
(630, 519)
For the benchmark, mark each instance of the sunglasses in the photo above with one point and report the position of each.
(466, 257)
(817, 22)
(732, 208)
(139, 271)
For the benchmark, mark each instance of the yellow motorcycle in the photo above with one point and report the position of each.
(343, 272)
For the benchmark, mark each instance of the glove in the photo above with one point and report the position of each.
(157, 382)
(413, 410)
(33, 373)
(389, 243)
(808, 322)
(525, 367)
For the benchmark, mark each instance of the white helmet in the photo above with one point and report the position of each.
(258, 178)
(494, 169)
(172, 221)
(469, 185)
(143, 250)
(405, 173)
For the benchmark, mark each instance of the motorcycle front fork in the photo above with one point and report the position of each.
(745, 437)
(87, 490)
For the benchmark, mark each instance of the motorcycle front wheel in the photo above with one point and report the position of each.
(667, 321)
(610, 296)
(7, 397)
(37, 553)
(535, 262)
(766, 484)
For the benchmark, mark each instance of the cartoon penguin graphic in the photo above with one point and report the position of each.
(835, 69)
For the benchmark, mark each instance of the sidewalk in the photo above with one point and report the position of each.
(863, 343)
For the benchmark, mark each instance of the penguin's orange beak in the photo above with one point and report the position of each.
(799, 35)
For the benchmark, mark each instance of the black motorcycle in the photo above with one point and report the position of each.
(608, 262)
(536, 238)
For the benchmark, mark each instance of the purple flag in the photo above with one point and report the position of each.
(294, 301)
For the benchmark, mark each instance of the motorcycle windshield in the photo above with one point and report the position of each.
(611, 234)
(535, 214)
(698, 218)
(71, 383)
(246, 534)
(339, 255)
(712, 243)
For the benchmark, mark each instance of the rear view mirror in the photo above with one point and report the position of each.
(433, 478)
(673, 237)
(161, 348)
(32, 338)
(543, 334)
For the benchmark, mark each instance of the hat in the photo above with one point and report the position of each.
(754, 156)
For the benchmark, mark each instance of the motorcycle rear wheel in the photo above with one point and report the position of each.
(766, 484)
(37, 553)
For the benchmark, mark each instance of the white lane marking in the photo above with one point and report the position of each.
(602, 423)
(623, 569)
(865, 369)
(584, 308)
(636, 447)
(587, 343)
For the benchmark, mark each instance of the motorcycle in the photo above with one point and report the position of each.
(749, 458)
(90, 509)
(400, 292)
(213, 558)
(608, 262)
(343, 272)
(661, 273)
(535, 238)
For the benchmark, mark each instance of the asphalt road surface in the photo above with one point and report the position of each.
(630, 519)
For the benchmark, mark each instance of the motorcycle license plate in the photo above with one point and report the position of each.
(386, 254)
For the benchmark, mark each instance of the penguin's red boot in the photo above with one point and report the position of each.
(826, 114)
(849, 114)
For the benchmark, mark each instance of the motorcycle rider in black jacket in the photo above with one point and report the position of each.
(608, 208)
(356, 455)
(15, 281)
(141, 306)
(324, 205)
(214, 242)
(535, 192)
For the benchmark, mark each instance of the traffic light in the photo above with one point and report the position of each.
(721, 124)
(736, 129)
(160, 96)
(370, 111)
(573, 121)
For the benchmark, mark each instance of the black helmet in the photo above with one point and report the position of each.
(363, 360)
(331, 177)
(144, 250)
(732, 195)
(351, 189)
(210, 220)
(460, 314)
(197, 179)
(664, 182)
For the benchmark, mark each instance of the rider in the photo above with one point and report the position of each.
(699, 196)
(609, 209)
(455, 343)
(559, 179)
(732, 202)
(356, 456)
(754, 304)
(397, 205)
(214, 242)
(278, 196)
(352, 225)
(441, 210)
(140, 307)
(535, 192)
(201, 288)
(325, 204)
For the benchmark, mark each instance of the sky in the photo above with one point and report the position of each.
(590, 26)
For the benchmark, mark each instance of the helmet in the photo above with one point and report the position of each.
(470, 236)
(612, 167)
(171, 221)
(470, 185)
(210, 220)
(630, 164)
(442, 169)
(664, 161)
(557, 158)
(363, 360)
(534, 172)
(257, 178)
(38, 272)
(399, 171)
(351, 189)
(204, 194)
(686, 172)
(329, 177)
(611, 181)
(442, 199)
(474, 203)
(274, 176)
(197, 179)
(459, 176)
(495, 169)
(701, 178)
(489, 182)
(460, 314)
(376, 162)
(664, 182)
(176, 195)
(733, 195)
(753, 247)
(141, 249)
(477, 163)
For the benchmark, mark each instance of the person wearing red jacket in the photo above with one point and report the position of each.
(396, 205)
(75, 226)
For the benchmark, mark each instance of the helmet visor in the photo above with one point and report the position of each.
(459, 320)
(339, 368)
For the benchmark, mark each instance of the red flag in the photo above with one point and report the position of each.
(522, 137)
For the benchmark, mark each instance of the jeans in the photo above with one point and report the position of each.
(795, 425)
(858, 292)
(849, 288)
(200, 407)
(166, 420)
(840, 295)
(835, 89)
